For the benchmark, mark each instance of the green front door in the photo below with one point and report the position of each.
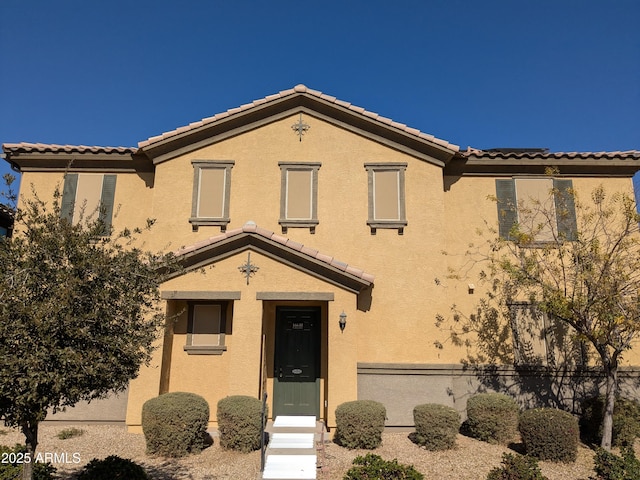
(296, 389)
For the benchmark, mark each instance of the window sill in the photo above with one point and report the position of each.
(392, 225)
(205, 349)
(206, 222)
(310, 224)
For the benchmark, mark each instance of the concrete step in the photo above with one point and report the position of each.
(301, 421)
(290, 467)
(291, 440)
(291, 452)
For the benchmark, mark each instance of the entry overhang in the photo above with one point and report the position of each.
(277, 247)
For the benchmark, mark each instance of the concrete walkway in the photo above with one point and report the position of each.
(291, 452)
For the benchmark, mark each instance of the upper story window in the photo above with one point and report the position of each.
(299, 195)
(541, 205)
(211, 192)
(86, 195)
(386, 196)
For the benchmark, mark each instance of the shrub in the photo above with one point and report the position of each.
(373, 467)
(70, 433)
(436, 426)
(517, 467)
(492, 417)
(626, 421)
(550, 434)
(112, 468)
(359, 424)
(175, 424)
(240, 423)
(12, 470)
(612, 467)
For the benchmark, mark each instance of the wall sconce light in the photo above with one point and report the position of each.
(472, 287)
(343, 321)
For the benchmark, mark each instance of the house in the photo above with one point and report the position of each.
(312, 233)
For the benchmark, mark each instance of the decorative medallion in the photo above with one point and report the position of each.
(248, 269)
(300, 127)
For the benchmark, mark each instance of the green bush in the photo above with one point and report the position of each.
(359, 424)
(112, 468)
(13, 471)
(492, 417)
(517, 467)
(612, 467)
(626, 421)
(175, 424)
(240, 423)
(373, 467)
(70, 433)
(550, 434)
(436, 426)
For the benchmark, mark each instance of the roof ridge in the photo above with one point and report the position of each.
(298, 89)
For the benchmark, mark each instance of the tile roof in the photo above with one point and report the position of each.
(25, 147)
(297, 90)
(519, 153)
(252, 229)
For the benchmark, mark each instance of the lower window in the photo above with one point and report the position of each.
(206, 328)
(542, 340)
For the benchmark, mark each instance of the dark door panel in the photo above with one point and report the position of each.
(297, 361)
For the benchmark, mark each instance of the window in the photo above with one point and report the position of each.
(530, 201)
(211, 192)
(85, 194)
(206, 328)
(386, 196)
(299, 195)
(542, 340)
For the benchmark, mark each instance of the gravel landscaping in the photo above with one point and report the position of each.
(471, 459)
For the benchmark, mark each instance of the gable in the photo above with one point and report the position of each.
(277, 247)
(298, 100)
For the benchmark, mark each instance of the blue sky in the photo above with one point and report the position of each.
(561, 74)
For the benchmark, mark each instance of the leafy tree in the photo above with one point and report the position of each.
(588, 280)
(78, 314)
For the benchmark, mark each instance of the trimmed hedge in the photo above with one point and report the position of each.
(112, 468)
(240, 423)
(609, 466)
(517, 467)
(175, 424)
(492, 417)
(436, 426)
(550, 434)
(359, 424)
(372, 467)
(626, 421)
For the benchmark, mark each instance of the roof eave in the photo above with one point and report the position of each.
(230, 246)
(569, 164)
(51, 161)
